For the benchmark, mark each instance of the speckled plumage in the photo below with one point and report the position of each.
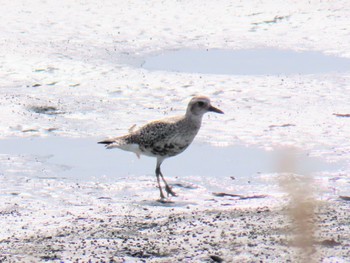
(166, 137)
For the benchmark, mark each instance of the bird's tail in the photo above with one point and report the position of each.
(114, 142)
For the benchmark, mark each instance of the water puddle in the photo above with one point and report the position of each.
(201, 165)
(247, 62)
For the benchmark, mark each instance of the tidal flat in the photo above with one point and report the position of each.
(267, 181)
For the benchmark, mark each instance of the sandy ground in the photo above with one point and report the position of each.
(55, 220)
(163, 233)
(72, 68)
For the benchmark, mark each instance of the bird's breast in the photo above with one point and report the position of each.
(168, 149)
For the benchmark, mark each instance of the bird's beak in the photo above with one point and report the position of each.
(212, 108)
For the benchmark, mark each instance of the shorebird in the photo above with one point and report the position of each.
(166, 137)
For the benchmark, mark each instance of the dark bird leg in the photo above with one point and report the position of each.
(167, 187)
(162, 196)
(158, 173)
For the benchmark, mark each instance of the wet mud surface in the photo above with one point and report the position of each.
(71, 200)
(74, 69)
(143, 233)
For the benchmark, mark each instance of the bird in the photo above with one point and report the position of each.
(165, 138)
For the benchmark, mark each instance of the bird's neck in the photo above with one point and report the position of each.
(195, 120)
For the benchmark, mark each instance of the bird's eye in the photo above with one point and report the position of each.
(200, 103)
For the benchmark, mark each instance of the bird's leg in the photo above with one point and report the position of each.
(167, 187)
(162, 196)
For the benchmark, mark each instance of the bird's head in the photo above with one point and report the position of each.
(200, 105)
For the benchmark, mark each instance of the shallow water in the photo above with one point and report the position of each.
(64, 80)
(237, 169)
(247, 62)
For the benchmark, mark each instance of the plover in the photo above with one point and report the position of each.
(166, 137)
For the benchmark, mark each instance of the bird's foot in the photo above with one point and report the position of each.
(162, 196)
(170, 191)
(165, 201)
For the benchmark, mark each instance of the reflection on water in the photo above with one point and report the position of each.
(85, 160)
(247, 62)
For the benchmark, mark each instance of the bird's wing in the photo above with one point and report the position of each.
(154, 132)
